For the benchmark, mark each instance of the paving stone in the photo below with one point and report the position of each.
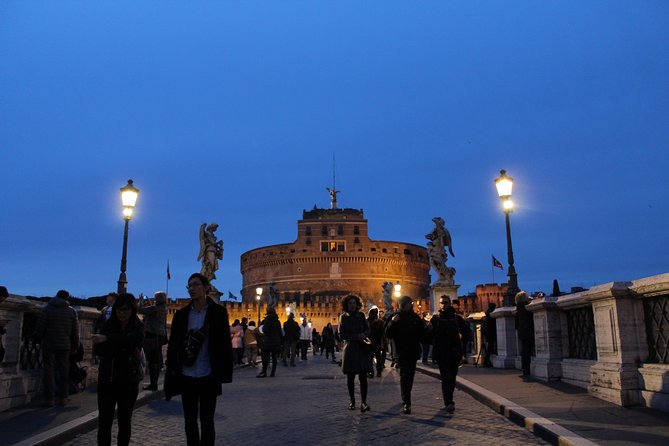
(308, 404)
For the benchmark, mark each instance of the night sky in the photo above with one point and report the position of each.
(231, 112)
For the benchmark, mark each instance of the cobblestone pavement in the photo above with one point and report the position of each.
(308, 404)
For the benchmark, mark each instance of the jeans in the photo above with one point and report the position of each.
(304, 346)
(110, 396)
(290, 351)
(56, 374)
(266, 353)
(448, 371)
(199, 395)
(526, 347)
(407, 373)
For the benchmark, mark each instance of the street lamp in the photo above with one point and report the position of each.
(504, 187)
(128, 199)
(398, 290)
(258, 294)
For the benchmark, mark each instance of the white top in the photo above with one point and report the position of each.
(202, 366)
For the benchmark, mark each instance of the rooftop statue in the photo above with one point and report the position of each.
(273, 295)
(388, 297)
(333, 197)
(439, 240)
(211, 250)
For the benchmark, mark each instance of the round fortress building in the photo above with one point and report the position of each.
(333, 256)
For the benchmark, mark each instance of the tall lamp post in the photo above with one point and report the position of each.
(398, 290)
(128, 199)
(504, 187)
(258, 294)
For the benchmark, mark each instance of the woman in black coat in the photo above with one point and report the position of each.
(354, 330)
(271, 341)
(118, 345)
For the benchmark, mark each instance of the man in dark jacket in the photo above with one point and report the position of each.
(448, 328)
(406, 329)
(57, 330)
(377, 334)
(525, 327)
(199, 360)
(291, 332)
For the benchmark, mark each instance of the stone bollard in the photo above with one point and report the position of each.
(507, 339)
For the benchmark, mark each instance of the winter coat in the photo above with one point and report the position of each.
(119, 354)
(305, 333)
(58, 326)
(406, 329)
(377, 332)
(356, 358)
(251, 336)
(448, 327)
(291, 330)
(524, 322)
(271, 330)
(155, 319)
(237, 333)
(220, 347)
(489, 328)
(328, 338)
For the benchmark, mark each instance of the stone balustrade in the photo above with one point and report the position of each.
(21, 369)
(611, 339)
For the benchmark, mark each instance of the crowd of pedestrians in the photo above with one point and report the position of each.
(203, 348)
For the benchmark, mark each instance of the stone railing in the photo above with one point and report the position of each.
(612, 339)
(21, 369)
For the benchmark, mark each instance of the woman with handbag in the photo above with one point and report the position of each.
(119, 346)
(354, 330)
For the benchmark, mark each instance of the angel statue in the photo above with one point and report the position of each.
(273, 295)
(439, 240)
(388, 298)
(211, 250)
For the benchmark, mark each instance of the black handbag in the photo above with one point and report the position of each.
(192, 345)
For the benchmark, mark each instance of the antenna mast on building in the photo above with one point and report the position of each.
(333, 192)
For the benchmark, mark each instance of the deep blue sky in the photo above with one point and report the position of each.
(230, 112)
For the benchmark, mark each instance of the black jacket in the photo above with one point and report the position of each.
(271, 333)
(119, 354)
(407, 329)
(448, 327)
(524, 322)
(291, 330)
(220, 346)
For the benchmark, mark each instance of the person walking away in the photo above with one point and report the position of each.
(489, 332)
(271, 342)
(426, 342)
(118, 345)
(316, 342)
(199, 360)
(57, 330)
(329, 342)
(291, 330)
(525, 328)
(406, 328)
(377, 334)
(448, 328)
(354, 330)
(305, 339)
(251, 343)
(237, 333)
(155, 334)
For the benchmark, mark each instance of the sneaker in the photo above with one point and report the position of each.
(261, 375)
(406, 408)
(364, 407)
(450, 408)
(351, 406)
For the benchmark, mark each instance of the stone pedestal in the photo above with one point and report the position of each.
(507, 339)
(547, 362)
(440, 289)
(621, 343)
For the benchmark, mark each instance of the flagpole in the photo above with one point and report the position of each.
(167, 280)
(492, 268)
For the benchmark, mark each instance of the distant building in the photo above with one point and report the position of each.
(332, 256)
(479, 300)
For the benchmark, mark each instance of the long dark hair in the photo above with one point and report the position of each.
(124, 300)
(344, 302)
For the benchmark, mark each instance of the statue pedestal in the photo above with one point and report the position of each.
(440, 289)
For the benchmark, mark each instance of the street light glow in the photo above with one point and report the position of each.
(259, 292)
(398, 289)
(508, 205)
(504, 185)
(129, 195)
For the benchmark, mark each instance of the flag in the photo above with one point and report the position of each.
(496, 263)
(168, 270)
(231, 296)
